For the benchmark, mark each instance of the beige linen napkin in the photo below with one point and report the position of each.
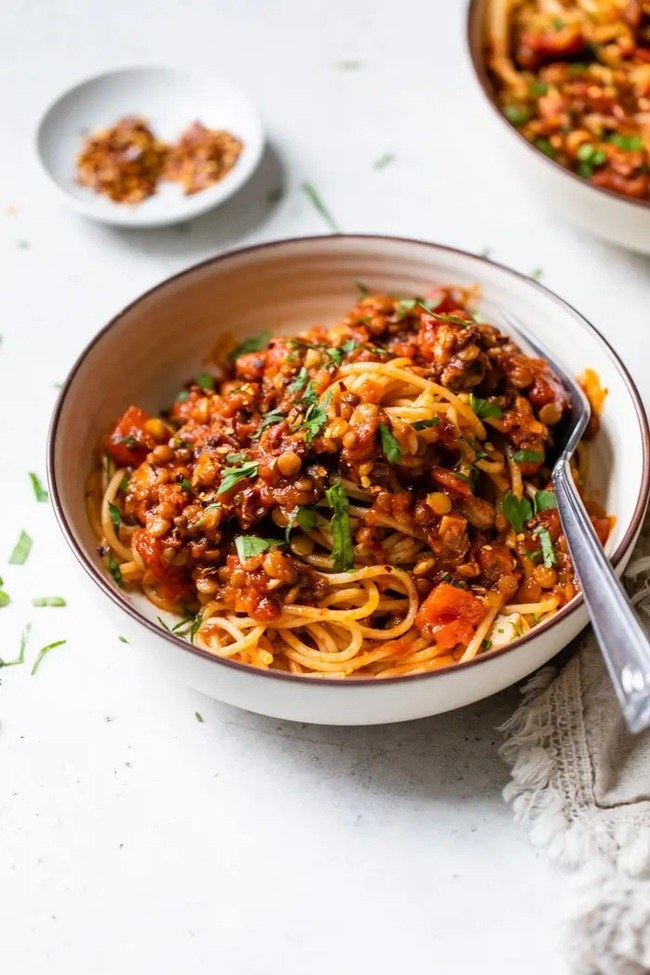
(581, 783)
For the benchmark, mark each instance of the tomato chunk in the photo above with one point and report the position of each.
(450, 615)
(128, 443)
(173, 578)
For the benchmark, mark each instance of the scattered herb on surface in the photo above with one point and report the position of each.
(312, 195)
(21, 652)
(517, 114)
(5, 598)
(39, 491)
(49, 601)
(343, 549)
(122, 639)
(199, 717)
(21, 549)
(383, 161)
(43, 652)
(348, 65)
(537, 273)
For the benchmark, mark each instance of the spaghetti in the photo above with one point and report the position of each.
(574, 77)
(369, 499)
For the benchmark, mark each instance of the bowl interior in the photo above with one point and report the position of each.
(170, 100)
(147, 353)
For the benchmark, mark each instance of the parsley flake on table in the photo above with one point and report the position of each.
(383, 161)
(312, 195)
(48, 601)
(39, 491)
(20, 659)
(43, 653)
(21, 549)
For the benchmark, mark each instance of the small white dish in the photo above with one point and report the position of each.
(170, 99)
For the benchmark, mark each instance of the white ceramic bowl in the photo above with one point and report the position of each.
(608, 215)
(146, 353)
(170, 99)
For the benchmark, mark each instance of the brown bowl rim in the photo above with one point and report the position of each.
(101, 580)
(474, 9)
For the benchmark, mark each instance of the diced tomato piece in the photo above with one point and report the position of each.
(456, 485)
(172, 577)
(128, 443)
(450, 615)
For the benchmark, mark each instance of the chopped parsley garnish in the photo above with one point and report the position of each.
(517, 114)
(315, 419)
(545, 146)
(537, 273)
(129, 442)
(21, 549)
(20, 659)
(528, 457)
(389, 445)
(312, 195)
(343, 548)
(349, 65)
(590, 157)
(124, 483)
(362, 288)
(349, 346)
(544, 500)
(268, 420)
(548, 552)
(115, 571)
(233, 475)
(236, 458)
(116, 514)
(199, 717)
(383, 161)
(299, 382)
(451, 319)
(254, 344)
(486, 645)
(538, 88)
(558, 23)
(517, 510)
(483, 409)
(249, 545)
(433, 421)
(49, 601)
(205, 380)
(208, 507)
(631, 143)
(5, 598)
(186, 484)
(39, 491)
(304, 518)
(43, 651)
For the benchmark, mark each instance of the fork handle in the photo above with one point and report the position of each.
(623, 641)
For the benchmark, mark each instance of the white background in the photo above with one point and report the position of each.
(134, 838)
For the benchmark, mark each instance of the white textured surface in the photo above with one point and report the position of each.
(151, 842)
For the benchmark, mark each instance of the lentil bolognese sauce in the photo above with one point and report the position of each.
(574, 77)
(369, 499)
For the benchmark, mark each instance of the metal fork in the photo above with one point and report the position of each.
(622, 639)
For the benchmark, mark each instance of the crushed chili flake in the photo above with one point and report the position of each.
(123, 162)
(202, 157)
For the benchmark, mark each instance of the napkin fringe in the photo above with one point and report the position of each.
(570, 836)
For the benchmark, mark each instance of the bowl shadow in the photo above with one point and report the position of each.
(220, 228)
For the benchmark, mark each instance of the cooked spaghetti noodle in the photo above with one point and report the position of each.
(370, 499)
(574, 77)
